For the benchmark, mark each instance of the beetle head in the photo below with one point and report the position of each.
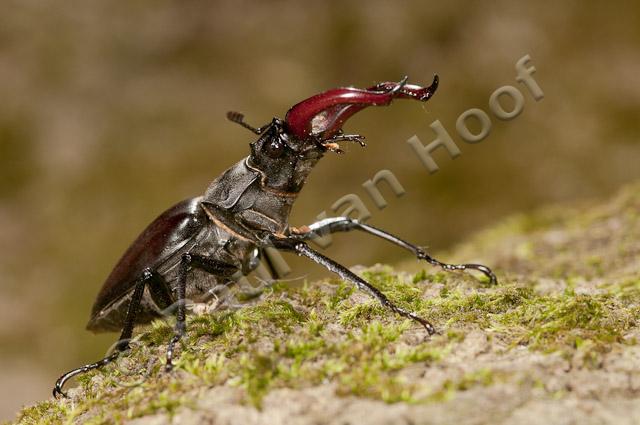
(288, 149)
(283, 160)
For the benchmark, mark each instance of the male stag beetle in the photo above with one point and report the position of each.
(202, 242)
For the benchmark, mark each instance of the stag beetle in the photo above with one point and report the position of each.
(202, 242)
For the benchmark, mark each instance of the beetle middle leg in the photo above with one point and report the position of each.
(301, 248)
(187, 263)
(346, 224)
(158, 291)
(271, 268)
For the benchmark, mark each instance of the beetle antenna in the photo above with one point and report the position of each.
(238, 118)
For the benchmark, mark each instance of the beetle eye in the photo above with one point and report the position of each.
(274, 148)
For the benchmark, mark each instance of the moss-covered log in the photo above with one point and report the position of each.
(554, 342)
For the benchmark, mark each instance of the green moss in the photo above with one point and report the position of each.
(360, 313)
(258, 373)
(548, 323)
(342, 292)
(160, 331)
(420, 276)
(483, 377)
(325, 332)
(319, 333)
(478, 308)
(627, 290)
(279, 313)
(45, 413)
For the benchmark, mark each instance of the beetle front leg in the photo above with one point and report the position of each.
(188, 262)
(341, 137)
(346, 224)
(301, 248)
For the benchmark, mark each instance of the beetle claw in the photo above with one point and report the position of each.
(331, 144)
(170, 350)
(58, 393)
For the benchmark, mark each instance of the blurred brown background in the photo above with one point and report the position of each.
(112, 111)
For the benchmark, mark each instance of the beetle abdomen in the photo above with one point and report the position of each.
(159, 241)
(112, 317)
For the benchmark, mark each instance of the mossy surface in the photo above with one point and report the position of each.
(565, 310)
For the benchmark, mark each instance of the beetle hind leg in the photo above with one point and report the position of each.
(58, 388)
(121, 345)
(158, 292)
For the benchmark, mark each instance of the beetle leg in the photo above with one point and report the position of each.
(180, 328)
(57, 389)
(123, 341)
(270, 266)
(301, 248)
(160, 293)
(346, 224)
(341, 137)
(188, 262)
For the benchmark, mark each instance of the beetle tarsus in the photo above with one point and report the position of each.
(170, 350)
(58, 387)
(462, 267)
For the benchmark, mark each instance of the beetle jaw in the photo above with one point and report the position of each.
(324, 114)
